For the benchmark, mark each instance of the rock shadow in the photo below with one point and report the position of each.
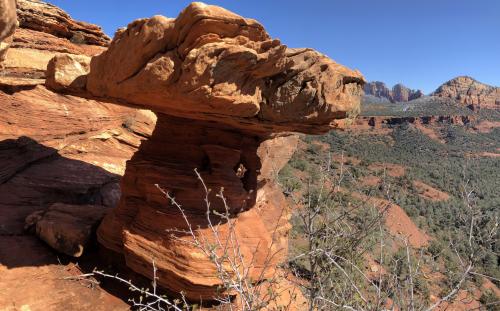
(32, 178)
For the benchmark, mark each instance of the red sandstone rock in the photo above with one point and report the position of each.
(25, 38)
(8, 24)
(209, 63)
(399, 92)
(40, 16)
(223, 90)
(468, 91)
(46, 30)
(54, 149)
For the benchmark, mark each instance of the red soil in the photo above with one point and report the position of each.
(391, 169)
(430, 193)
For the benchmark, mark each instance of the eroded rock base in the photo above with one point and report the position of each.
(239, 165)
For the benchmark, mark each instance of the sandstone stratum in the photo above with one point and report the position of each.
(226, 98)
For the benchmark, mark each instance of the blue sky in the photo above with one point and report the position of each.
(421, 43)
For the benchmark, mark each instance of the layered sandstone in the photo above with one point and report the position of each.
(225, 94)
(44, 17)
(398, 93)
(7, 18)
(56, 150)
(45, 31)
(470, 92)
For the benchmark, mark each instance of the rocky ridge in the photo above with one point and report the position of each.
(398, 93)
(47, 18)
(8, 22)
(470, 92)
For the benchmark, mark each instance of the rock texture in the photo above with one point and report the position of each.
(8, 24)
(45, 31)
(40, 16)
(398, 93)
(68, 229)
(8, 18)
(57, 149)
(223, 91)
(363, 123)
(67, 72)
(470, 92)
(209, 63)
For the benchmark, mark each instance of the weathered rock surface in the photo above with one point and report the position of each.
(398, 93)
(42, 36)
(67, 72)
(209, 63)
(54, 149)
(44, 17)
(67, 228)
(223, 91)
(8, 22)
(470, 92)
(8, 18)
(57, 149)
(25, 38)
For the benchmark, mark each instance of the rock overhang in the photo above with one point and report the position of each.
(211, 64)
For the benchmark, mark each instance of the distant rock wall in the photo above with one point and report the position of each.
(8, 24)
(380, 122)
(399, 93)
(45, 31)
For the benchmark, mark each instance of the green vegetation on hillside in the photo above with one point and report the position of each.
(455, 167)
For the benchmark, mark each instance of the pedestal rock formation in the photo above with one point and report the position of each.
(226, 96)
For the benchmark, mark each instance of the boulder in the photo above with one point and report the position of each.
(67, 228)
(8, 23)
(66, 71)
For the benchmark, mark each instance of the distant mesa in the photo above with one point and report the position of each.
(398, 93)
